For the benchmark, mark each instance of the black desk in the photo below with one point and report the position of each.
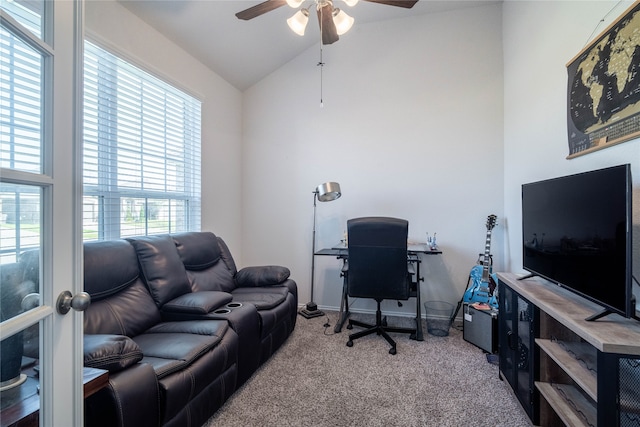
(413, 256)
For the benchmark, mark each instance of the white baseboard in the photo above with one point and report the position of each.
(368, 311)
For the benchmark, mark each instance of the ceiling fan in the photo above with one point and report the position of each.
(333, 22)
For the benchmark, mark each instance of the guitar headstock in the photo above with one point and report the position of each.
(491, 221)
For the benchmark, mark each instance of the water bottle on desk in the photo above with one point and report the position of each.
(431, 242)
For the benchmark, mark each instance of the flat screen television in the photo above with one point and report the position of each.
(576, 232)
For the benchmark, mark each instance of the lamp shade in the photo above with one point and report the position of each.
(328, 191)
(343, 21)
(298, 22)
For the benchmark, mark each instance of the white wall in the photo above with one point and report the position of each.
(411, 127)
(115, 28)
(539, 39)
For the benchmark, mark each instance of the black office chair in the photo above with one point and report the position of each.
(377, 268)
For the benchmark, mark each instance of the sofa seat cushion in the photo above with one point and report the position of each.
(173, 346)
(180, 390)
(264, 298)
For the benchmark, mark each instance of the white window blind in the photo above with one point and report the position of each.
(20, 104)
(141, 152)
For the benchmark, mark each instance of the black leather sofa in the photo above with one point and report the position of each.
(178, 326)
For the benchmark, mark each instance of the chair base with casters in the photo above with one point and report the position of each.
(380, 328)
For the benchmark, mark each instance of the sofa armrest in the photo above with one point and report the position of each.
(111, 352)
(267, 275)
(196, 303)
(132, 399)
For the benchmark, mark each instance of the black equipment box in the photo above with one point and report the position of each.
(480, 328)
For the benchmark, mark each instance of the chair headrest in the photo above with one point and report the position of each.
(377, 231)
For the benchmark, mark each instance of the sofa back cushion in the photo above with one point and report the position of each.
(161, 267)
(208, 266)
(120, 302)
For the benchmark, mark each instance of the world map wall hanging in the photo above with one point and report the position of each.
(603, 99)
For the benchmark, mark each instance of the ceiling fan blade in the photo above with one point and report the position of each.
(408, 4)
(328, 27)
(260, 9)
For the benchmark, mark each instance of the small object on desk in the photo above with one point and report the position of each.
(433, 243)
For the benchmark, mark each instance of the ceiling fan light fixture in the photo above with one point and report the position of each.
(350, 3)
(298, 22)
(343, 21)
(295, 3)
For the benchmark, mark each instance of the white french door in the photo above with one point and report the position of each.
(40, 189)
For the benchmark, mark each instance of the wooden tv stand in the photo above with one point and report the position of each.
(574, 372)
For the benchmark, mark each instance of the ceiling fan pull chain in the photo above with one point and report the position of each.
(321, 64)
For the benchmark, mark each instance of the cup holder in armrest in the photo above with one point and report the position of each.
(228, 308)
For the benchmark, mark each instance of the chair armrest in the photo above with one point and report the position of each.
(111, 352)
(267, 275)
(197, 303)
(411, 268)
(345, 269)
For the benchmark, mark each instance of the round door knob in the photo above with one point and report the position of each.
(30, 301)
(67, 301)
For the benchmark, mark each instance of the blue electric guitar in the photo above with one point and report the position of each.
(482, 281)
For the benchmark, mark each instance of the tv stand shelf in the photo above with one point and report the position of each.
(578, 372)
(585, 377)
(568, 404)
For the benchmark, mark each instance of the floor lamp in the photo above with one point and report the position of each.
(325, 193)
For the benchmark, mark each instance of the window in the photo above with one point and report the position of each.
(22, 135)
(141, 152)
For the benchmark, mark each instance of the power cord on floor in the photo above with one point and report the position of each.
(326, 326)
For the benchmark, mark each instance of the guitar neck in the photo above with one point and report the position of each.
(486, 261)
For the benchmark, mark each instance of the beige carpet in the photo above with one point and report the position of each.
(316, 380)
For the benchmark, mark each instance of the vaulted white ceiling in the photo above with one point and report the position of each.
(244, 52)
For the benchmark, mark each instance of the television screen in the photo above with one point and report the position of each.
(576, 232)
